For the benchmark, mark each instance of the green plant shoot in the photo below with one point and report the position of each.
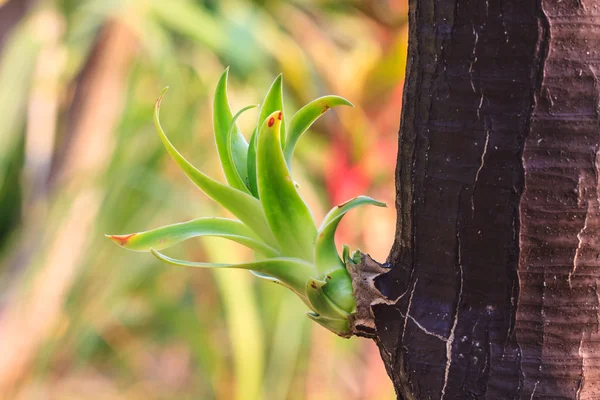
(273, 219)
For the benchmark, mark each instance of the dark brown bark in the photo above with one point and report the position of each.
(493, 286)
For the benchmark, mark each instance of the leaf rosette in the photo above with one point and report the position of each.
(272, 218)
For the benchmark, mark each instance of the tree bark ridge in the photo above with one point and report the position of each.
(557, 320)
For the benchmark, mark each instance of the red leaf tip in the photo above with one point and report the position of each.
(121, 240)
(344, 203)
(160, 97)
(279, 116)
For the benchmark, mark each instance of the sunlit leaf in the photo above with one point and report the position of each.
(290, 271)
(231, 145)
(274, 102)
(252, 184)
(326, 255)
(241, 181)
(288, 216)
(265, 276)
(168, 236)
(242, 205)
(305, 117)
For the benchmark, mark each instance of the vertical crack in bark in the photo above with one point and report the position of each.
(412, 292)
(535, 385)
(483, 153)
(582, 355)
(522, 376)
(451, 336)
(473, 59)
(485, 147)
(580, 236)
(480, 105)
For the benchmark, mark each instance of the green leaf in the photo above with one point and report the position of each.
(326, 255)
(288, 216)
(168, 236)
(340, 327)
(305, 117)
(242, 205)
(252, 181)
(320, 302)
(353, 258)
(265, 276)
(339, 289)
(274, 102)
(234, 166)
(291, 272)
(240, 182)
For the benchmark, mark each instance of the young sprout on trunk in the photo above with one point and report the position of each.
(273, 219)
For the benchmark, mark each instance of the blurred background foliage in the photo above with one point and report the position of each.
(81, 318)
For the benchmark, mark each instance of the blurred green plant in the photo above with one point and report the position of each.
(274, 220)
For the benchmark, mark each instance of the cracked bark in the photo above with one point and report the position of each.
(491, 288)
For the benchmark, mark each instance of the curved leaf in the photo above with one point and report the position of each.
(305, 117)
(235, 165)
(290, 271)
(168, 236)
(274, 102)
(265, 276)
(242, 205)
(340, 327)
(326, 255)
(252, 184)
(288, 216)
(319, 301)
(240, 181)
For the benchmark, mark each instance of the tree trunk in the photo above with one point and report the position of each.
(493, 286)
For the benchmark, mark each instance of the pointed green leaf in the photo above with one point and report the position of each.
(326, 255)
(265, 276)
(240, 181)
(346, 254)
(288, 216)
(242, 205)
(348, 205)
(319, 301)
(275, 280)
(236, 165)
(274, 102)
(305, 117)
(290, 271)
(340, 327)
(252, 181)
(353, 258)
(168, 236)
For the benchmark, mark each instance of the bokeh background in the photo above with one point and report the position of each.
(83, 319)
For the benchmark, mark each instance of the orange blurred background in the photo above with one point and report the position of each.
(81, 318)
